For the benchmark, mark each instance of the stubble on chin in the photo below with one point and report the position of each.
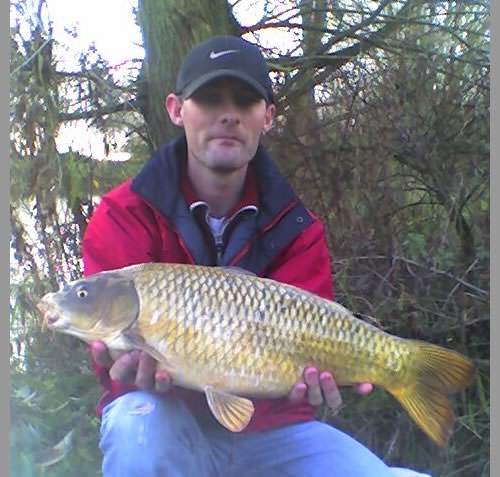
(225, 169)
(226, 166)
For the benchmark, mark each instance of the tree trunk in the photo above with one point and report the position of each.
(170, 28)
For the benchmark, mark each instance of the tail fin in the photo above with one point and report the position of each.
(435, 372)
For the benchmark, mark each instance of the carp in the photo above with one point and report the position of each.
(236, 336)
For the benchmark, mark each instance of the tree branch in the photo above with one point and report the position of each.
(31, 57)
(419, 265)
(133, 105)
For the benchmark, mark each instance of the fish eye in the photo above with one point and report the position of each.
(82, 292)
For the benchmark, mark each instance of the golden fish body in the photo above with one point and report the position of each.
(236, 336)
(254, 337)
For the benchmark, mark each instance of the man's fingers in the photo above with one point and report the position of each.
(364, 388)
(136, 367)
(125, 367)
(321, 387)
(314, 394)
(298, 392)
(162, 381)
(100, 354)
(331, 392)
(145, 372)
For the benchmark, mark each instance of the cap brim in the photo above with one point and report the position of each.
(224, 73)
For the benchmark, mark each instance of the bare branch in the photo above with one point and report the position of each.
(133, 105)
(30, 58)
(416, 264)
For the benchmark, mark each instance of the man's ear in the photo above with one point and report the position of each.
(173, 105)
(269, 117)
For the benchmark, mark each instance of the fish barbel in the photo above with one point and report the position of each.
(236, 336)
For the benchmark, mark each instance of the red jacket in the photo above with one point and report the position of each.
(156, 217)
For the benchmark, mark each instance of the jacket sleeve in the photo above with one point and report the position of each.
(306, 263)
(121, 232)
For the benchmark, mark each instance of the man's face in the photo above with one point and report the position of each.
(223, 121)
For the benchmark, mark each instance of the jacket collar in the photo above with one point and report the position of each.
(160, 182)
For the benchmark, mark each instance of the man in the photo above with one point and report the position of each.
(214, 197)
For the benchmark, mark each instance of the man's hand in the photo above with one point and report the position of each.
(133, 367)
(317, 388)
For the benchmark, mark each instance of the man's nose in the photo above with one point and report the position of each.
(230, 112)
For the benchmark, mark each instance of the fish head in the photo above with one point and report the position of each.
(93, 308)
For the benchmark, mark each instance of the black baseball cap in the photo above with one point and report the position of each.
(224, 56)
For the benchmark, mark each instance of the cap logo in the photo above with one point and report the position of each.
(213, 55)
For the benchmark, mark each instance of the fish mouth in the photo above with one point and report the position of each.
(50, 317)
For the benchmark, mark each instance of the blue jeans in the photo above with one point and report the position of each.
(143, 435)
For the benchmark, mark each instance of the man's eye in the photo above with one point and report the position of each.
(246, 99)
(242, 99)
(207, 97)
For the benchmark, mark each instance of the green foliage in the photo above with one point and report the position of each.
(53, 394)
(53, 433)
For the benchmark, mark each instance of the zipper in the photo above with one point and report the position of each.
(218, 238)
(219, 246)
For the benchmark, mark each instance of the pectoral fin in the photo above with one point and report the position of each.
(138, 342)
(233, 412)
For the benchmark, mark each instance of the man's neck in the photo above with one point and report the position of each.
(220, 191)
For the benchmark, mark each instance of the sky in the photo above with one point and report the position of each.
(108, 23)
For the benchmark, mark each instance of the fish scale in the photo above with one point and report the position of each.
(238, 337)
